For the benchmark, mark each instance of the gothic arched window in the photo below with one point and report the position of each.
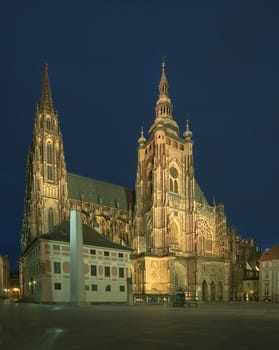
(50, 219)
(49, 153)
(48, 124)
(50, 160)
(171, 185)
(175, 189)
(173, 179)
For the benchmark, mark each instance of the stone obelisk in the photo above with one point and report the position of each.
(76, 258)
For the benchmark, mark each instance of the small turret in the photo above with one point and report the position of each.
(142, 139)
(187, 133)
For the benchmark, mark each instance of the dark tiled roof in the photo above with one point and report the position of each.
(61, 233)
(107, 194)
(199, 195)
(270, 254)
(99, 192)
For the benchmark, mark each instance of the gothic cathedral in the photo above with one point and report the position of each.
(180, 242)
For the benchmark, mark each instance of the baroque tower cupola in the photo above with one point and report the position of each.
(188, 133)
(142, 139)
(164, 107)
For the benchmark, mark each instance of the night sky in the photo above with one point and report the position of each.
(104, 58)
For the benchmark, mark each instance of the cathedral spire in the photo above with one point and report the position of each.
(163, 106)
(46, 103)
(163, 85)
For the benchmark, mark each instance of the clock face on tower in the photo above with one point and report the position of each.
(174, 172)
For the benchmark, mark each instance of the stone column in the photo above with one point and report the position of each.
(76, 258)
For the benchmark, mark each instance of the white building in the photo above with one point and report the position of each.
(47, 271)
(269, 275)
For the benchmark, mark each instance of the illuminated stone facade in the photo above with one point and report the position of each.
(180, 241)
(47, 273)
(269, 275)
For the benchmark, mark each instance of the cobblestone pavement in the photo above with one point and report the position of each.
(238, 326)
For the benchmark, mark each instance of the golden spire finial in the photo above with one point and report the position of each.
(187, 133)
(141, 133)
(187, 124)
(142, 139)
(163, 62)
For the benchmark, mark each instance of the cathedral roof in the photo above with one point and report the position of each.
(99, 192)
(270, 254)
(61, 233)
(199, 195)
(108, 194)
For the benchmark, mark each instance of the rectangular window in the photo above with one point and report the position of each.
(106, 253)
(93, 251)
(93, 270)
(107, 271)
(56, 247)
(108, 288)
(57, 286)
(120, 255)
(121, 272)
(94, 287)
(122, 288)
(57, 267)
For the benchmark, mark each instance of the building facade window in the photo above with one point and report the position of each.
(120, 255)
(106, 253)
(93, 270)
(107, 271)
(57, 267)
(122, 288)
(108, 288)
(56, 247)
(57, 286)
(94, 287)
(121, 272)
(93, 251)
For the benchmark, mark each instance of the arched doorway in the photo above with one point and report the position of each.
(220, 291)
(204, 291)
(212, 291)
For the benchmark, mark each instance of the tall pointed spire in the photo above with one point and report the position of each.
(163, 84)
(46, 103)
(163, 105)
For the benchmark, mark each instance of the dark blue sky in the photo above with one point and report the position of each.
(105, 63)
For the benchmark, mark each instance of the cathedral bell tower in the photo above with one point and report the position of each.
(45, 202)
(165, 185)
